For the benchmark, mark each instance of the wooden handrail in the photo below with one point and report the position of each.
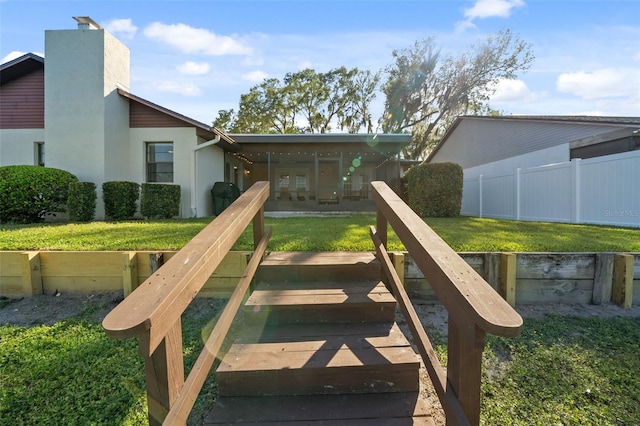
(474, 307)
(153, 311)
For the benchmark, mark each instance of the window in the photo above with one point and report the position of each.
(160, 162)
(301, 182)
(39, 154)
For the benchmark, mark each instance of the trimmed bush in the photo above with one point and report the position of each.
(435, 189)
(120, 199)
(160, 200)
(82, 201)
(29, 193)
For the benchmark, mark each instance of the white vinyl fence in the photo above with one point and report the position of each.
(602, 190)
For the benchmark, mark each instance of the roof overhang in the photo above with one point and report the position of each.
(20, 67)
(202, 129)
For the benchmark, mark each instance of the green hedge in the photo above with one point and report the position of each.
(120, 199)
(82, 201)
(29, 193)
(435, 189)
(160, 200)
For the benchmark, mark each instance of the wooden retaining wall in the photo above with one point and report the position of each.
(544, 277)
(47, 272)
(520, 277)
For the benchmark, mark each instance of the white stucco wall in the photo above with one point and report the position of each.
(17, 146)
(209, 163)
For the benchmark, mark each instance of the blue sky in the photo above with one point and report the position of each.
(197, 57)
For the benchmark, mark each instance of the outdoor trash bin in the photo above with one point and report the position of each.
(223, 194)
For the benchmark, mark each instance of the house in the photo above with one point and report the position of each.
(76, 107)
(320, 171)
(555, 168)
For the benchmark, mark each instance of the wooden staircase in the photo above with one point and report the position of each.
(320, 346)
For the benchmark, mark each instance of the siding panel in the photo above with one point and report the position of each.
(22, 102)
(143, 116)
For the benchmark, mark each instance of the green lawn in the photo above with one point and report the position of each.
(325, 234)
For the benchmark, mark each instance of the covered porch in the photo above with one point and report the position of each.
(318, 172)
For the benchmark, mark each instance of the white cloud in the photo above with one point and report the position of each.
(196, 40)
(492, 8)
(12, 55)
(187, 89)
(123, 27)
(487, 9)
(603, 83)
(194, 68)
(257, 76)
(507, 91)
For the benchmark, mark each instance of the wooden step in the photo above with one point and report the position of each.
(322, 360)
(313, 266)
(405, 408)
(320, 302)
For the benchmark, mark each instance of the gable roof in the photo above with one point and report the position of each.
(578, 120)
(202, 129)
(19, 67)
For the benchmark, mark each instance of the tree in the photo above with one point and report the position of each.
(305, 102)
(426, 90)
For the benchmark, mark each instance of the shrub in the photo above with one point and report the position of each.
(29, 193)
(435, 189)
(160, 200)
(82, 201)
(120, 199)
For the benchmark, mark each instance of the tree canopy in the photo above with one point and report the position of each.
(305, 102)
(425, 90)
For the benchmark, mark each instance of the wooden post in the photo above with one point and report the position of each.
(508, 277)
(258, 227)
(464, 366)
(603, 278)
(398, 264)
(31, 273)
(622, 291)
(492, 269)
(129, 272)
(164, 373)
(156, 260)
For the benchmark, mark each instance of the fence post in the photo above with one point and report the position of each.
(508, 277)
(480, 195)
(129, 272)
(518, 193)
(622, 291)
(31, 273)
(603, 278)
(398, 263)
(258, 227)
(575, 188)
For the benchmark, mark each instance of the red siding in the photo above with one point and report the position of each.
(22, 102)
(144, 116)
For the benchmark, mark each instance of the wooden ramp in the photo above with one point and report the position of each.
(320, 346)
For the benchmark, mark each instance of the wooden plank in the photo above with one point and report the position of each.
(82, 284)
(603, 278)
(156, 260)
(508, 277)
(556, 266)
(398, 263)
(318, 258)
(463, 292)
(554, 291)
(163, 297)
(331, 339)
(81, 264)
(10, 264)
(491, 270)
(622, 290)
(294, 332)
(365, 408)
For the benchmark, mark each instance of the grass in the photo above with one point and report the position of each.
(559, 371)
(325, 234)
